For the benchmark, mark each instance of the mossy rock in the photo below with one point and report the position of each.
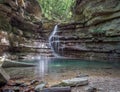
(33, 7)
(1, 1)
(4, 24)
(98, 32)
(60, 85)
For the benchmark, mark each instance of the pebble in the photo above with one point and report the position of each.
(40, 87)
(34, 82)
(91, 89)
(82, 75)
(16, 89)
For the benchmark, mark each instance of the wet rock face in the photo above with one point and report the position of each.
(96, 33)
(96, 10)
(4, 77)
(99, 14)
(33, 7)
(20, 20)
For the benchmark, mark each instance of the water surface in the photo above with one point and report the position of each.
(52, 70)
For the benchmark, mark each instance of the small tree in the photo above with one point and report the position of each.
(59, 10)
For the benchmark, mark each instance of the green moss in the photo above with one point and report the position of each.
(4, 24)
(98, 31)
(15, 31)
(62, 84)
(1, 1)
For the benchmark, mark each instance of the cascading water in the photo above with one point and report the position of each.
(54, 41)
(43, 60)
(54, 44)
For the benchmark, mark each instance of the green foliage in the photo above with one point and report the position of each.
(1, 1)
(59, 10)
(98, 31)
(4, 24)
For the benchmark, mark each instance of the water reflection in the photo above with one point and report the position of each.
(53, 67)
(42, 66)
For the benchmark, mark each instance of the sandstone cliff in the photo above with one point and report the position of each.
(95, 34)
(20, 21)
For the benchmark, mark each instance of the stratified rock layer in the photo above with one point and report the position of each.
(20, 22)
(96, 33)
(4, 77)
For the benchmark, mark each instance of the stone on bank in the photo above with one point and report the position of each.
(4, 77)
(75, 82)
(80, 81)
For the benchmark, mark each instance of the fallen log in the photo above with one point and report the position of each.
(57, 89)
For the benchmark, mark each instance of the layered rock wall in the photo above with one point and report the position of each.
(95, 34)
(20, 22)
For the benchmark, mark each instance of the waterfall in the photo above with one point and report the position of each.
(54, 44)
(54, 41)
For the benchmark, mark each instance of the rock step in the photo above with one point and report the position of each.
(4, 77)
(73, 48)
(85, 41)
(57, 89)
(10, 63)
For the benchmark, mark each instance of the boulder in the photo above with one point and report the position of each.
(91, 89)
(33, 7)
(4, 77)
(74, 82)
(40, 87)
(57, 89)
(10, 63)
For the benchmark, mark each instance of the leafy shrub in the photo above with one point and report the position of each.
(57, 9)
